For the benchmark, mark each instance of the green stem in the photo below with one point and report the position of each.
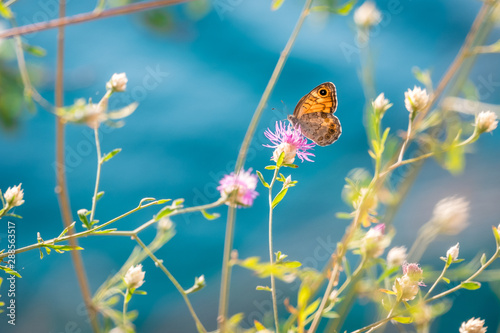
(116, 233)
(271, 253)
(159, 263)
(437, 280)
(482, 268)
(228, 242)
(125, 303)
(98, 176)
(472, 277)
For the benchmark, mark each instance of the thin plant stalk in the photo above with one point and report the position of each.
(271, 252)
(62, 190)
(90, 16)
(228, 242)
(177, 285)
(98, 175)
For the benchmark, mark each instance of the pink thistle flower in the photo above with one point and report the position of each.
(242, 185)
(290, 141)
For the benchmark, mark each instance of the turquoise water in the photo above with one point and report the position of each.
(198, 87)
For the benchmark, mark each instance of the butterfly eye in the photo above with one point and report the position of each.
(323, 92)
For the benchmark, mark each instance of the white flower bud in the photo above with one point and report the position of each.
(473, 326)
(450, 215)
(381, 104)
(416, 99)
(367, 15)
(396, 256)
(289, 150)
(486, 121)
(374, 242)
(14, 196)
(134, 277)
(453, 252)
(118, 82)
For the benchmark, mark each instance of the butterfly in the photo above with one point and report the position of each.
(314, 115)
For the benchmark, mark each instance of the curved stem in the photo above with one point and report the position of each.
(437, 280)
(177, 285)
(271, 253)
(98, 176)
(115, 233)
(228, 242)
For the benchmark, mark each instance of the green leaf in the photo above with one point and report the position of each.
(265, 288)
(311, 307)
(34, 50)
(497, 236)
(99, 195)
(165, 211)
(66, 229)
(5, 11)
(388, 272)
(291, 264)
(262, 179)
(424, 76)
(445, 279)
(270, 167)
(123, 112)
(483, 259)
(259, 326)
(177, 202)
(294, 166)
(276, 4)
(279, 197)
(343, 10)
(10, 271)
(209, 216)
(403, 320)
(280, 159)
(331, 315)
(140, 292)
(344, 216)
(111, 154)
(470, 285)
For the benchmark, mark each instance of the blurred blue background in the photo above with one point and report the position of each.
(198, 86)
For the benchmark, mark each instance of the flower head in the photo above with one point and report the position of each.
(290, 141)
(367, 15)
(486, 121)
(396, 256)
(14, 196)
(242, 185)
(118, 82)
(134, 278)
(405, 288)
(453, 252)
(416, 99)
(450, 215)
(381, 104)
(374, 242)
(473, 326)
(414, 273)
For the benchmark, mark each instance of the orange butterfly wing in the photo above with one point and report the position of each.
(314, 115)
